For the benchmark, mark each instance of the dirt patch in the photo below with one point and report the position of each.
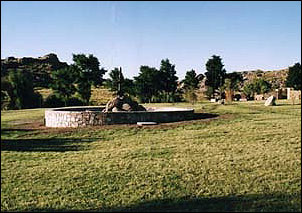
(38, 126)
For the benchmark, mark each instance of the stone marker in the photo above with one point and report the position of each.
(270, 101)
(221, 101)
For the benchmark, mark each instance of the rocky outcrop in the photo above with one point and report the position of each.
(119, 104)
(275, 77)
(40, 67)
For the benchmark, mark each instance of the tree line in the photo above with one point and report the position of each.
(71, 85)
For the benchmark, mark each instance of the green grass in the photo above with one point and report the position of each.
(246, 159)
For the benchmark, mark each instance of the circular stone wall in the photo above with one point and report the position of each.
(93, 116)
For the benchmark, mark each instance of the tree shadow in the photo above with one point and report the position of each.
(244, 203)
(198, 116)
(257, 203)
(46, 145)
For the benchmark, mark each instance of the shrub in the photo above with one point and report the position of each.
(75, 102)
(21, 92)
(53, 101)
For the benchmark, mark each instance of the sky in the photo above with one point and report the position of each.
(246, 35)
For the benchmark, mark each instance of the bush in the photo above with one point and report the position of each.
(190, 96)
(36, 100)
(75, 102)
(53, 101)
(5, 99)
(19, 87)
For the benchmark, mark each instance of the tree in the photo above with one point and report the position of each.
(21, 91)
(215, 73)
(116, 77)
(191, 81)
(190, 95)
(128, 87)
(90, 68)
(88, 73)
(228, 88)
(63, 83)
(258, 86)
(248, 91)
(147, 83)
(236, 79)
(261, 86)
(294, 77)
(168, 80)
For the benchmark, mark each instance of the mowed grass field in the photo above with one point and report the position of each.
(248, 158)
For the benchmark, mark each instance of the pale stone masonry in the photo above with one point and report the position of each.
(93, 116)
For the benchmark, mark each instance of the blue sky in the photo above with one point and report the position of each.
(247, 35)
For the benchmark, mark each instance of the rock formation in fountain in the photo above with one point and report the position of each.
(122, 103)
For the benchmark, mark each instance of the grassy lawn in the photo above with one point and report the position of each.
(246, 159)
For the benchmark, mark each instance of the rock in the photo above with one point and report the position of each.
(123, 104)
(126, 107)
(270, 101)
(115, 109)
(40, 67)
(115, 102)
(141, 108)
(221, 101)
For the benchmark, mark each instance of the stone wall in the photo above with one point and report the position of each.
(79, 117)
(293, 94)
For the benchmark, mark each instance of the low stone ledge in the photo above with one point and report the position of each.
(93, 116)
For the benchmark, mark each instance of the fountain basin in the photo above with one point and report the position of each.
(93, 116)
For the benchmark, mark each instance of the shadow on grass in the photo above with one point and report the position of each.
(14, 132)
(45, 145)
(198, 116)
(270, 202)
(246, 203)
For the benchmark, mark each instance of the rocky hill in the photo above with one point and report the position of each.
(41, 67)
(276, 77)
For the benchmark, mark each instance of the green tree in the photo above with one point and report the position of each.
(87, 73)
(258, 86)
(116, 77)
(128, 87)
(21, 90)
(261, 86)
(236, 79)
(215, 73)
(248, 90)
(147, 83)
(168, 80)
(294, 77)
(191, 81)
(63, 83)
